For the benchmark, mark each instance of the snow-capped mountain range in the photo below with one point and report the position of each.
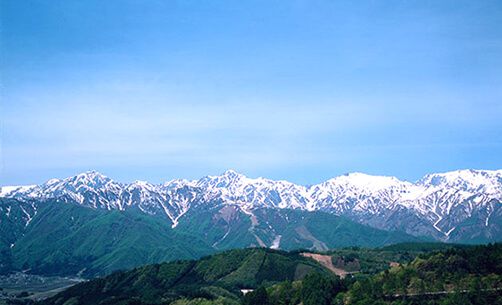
(446, 206)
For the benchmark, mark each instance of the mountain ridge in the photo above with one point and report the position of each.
(437, 205)
(233, 173)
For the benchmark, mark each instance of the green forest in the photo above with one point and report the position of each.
(457, 276)
(410, 273)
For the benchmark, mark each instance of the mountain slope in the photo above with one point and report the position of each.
(231, 226)
(456, 206)
(66, 239)
(220, 275)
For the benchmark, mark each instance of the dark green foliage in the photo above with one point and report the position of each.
(371, 261)
(460, 275)
(315, 288)
(221, 275)
(455, 275)
(456, 299)
(257, 297)
(421, 247)
(318, 289)
(285, 293)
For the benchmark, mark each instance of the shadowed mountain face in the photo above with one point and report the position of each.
(459, 206)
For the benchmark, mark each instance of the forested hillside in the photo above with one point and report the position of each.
(216, 278)
(68, 239)
(456, 276)
(425, 275)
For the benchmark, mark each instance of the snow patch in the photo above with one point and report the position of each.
(276, 243)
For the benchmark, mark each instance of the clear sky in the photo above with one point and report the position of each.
(297, 90)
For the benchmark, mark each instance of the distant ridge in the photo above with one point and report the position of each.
(462, 205)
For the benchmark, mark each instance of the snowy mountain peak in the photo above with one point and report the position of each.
(231, 176)
(227, 179)
(141, 183)
(10, 191)
(467, 180)
(53, 181)
(92, 176)
(440, 201)
(367, 182)
(231, 173)
(177, 183)
(91, 179)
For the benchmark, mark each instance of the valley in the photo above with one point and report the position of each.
(20, 285)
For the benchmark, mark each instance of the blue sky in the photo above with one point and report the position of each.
(295, 90)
